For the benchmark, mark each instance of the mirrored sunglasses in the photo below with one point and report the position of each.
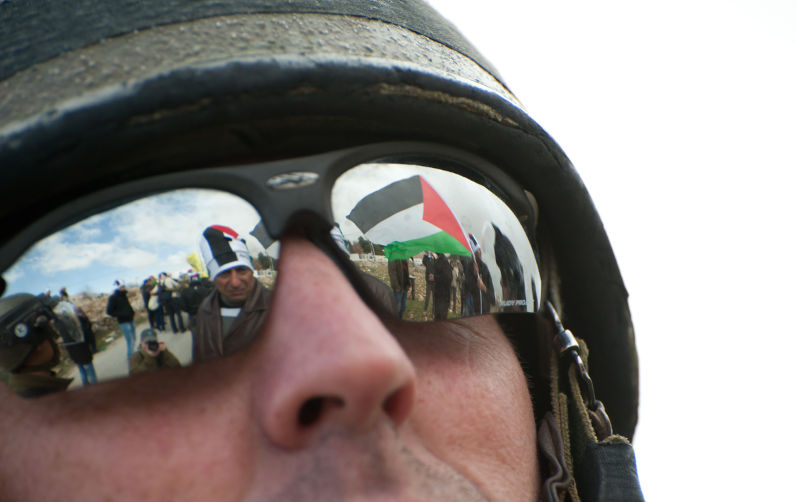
(424, 234)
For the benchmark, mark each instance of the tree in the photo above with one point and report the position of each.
(365, 244)
(265, 261)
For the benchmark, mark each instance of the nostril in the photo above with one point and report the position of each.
(312, 409)
(399, 403)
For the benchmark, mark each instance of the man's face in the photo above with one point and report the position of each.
(328, 403)
(236, 283)
(43, 353)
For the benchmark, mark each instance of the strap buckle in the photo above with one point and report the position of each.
(568, 348)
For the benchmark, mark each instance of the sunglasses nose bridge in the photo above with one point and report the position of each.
(313, 222)
(296, 208)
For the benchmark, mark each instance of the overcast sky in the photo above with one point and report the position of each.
(130, 243)
(680, 117)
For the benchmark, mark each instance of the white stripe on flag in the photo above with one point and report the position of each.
(403, 226)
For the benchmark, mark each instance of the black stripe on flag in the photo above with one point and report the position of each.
(386, 202)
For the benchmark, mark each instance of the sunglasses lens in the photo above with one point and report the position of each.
(433, 244)
(145, 254)
(446, 246)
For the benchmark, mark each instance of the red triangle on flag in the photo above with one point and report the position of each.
(437, 212)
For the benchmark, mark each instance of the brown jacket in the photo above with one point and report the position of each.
(208, 343)
(399, 275)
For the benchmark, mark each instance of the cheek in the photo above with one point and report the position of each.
(475, 414)
(121, 450)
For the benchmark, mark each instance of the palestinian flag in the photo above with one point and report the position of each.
(408, 217)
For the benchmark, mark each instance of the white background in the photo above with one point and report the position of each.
(681, 117)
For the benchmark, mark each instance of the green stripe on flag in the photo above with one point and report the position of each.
(441, 242)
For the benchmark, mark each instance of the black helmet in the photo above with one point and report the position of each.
(24, 324)
(131, 90)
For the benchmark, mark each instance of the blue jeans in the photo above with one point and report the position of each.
(179, 323)
(87, 373)
(401, 301)
(130, 335)
(160, 323)
(468, 306)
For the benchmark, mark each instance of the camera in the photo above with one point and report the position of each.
(153, 346)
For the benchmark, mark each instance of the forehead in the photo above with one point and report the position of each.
(237, 270)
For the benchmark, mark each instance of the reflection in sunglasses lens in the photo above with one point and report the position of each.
(186, 276)
(124, 288)
(445, 246)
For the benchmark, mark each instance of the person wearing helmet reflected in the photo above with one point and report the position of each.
(322, 395)
(28, 352)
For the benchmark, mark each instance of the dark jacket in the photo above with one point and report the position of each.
(76, 334)
(166, 288)
(33, 385)
(208, 341)
(428, 265)
(442, 278)
(119, 306)
(146, 290)
(192, 296)
(482, 300)
(80, 353)
(399, 273)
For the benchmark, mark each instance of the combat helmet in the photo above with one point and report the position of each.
(24, 323)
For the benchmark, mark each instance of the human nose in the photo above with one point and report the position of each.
(326, 360)
(235, 278)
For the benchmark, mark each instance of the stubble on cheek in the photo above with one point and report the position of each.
(474, 407)
(378, 465)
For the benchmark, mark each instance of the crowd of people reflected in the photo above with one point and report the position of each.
(175, 279)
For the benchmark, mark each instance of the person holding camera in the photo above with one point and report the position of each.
(152, 355)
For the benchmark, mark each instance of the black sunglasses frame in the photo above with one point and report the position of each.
(302, 203)
(292, 195)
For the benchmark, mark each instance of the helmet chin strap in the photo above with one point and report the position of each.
(584, 459)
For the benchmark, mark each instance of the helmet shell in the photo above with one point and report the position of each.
(18, 337)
